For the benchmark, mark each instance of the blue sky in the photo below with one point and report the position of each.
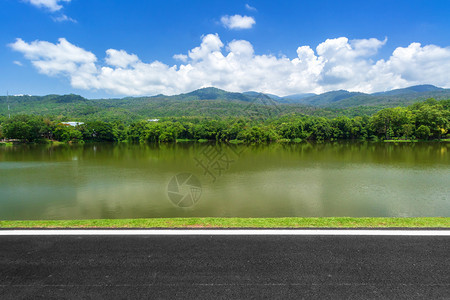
(356, 45)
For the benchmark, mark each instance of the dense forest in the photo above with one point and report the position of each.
(423, 120)
(128, 110)
(212, 102)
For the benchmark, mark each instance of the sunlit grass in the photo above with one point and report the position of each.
(340, 222)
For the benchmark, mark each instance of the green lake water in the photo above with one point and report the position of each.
(207, 180)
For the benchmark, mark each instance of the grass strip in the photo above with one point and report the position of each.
(338, 222)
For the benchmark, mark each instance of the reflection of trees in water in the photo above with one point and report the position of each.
(130, 180)
(407, 154)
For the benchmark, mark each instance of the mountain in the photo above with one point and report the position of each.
(334, 99)
(211, 93)
(213, 102)
(254, 94)
(410, 90)
(286, 99)
(330, 98)
(399, 97)
(48, 105)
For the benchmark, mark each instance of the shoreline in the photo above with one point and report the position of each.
(288, 222)
(234, 142)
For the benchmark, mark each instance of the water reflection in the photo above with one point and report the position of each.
(131, 181)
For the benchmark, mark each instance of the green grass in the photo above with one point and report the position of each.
(401, 141)
(341, 222)
(414, 141)
(236, 142)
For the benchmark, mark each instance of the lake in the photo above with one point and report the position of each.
(355, 179)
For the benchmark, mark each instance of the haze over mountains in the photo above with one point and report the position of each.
(216, 102)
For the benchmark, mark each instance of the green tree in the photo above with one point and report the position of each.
(435, 117)
(389, 122)
(98, 131)
(24, 127)
(319, 129)
(136, 131)
(119, 131)
(65, 133)
(257, 134)
(291, 130)
(423, 132)
(342, 127)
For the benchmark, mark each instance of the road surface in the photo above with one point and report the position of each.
(224, 266)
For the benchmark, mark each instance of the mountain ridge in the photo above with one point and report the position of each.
(331, 98)
(213, 101)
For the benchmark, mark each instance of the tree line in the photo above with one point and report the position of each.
(424, 120)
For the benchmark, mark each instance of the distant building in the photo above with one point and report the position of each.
(72, 123)
(153, 120)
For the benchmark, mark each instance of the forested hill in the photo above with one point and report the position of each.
(216, 102)
(398, 97)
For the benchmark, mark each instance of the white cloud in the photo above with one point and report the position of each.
(249, 7)
(64, 18)
(240, 49)
(16, 62)
(52, 5)
(120, 58)
(62, 58)
(211, 45)
(237, 22)
(181, 57)
(334, 64)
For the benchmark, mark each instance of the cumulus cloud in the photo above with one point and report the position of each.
(181, 57)
(120, 59)
(52, 5)
(62, 58)
(337, 63)
(237, 22)
(210, 46)
(16, 62)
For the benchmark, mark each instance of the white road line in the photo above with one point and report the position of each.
(352, 232)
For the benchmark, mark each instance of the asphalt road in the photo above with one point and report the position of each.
(210, 267)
